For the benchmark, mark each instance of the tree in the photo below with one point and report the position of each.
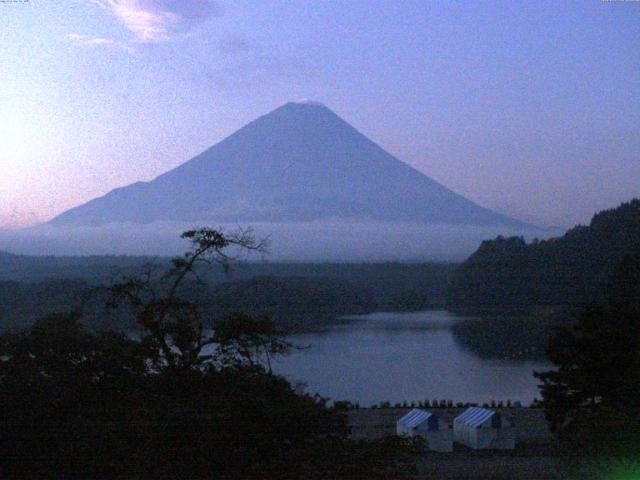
(65, 394)
(246, 340)
(78, 404)
(568, 270)
(591, 399)
(173, 328)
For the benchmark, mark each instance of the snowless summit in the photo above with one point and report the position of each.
(299, 163)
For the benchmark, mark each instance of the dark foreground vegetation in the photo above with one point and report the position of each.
(580, 296)
(83, 405)
(591, 396)
(175, 403)
(194, 396)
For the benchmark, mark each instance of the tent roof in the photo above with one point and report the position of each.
(475, 416)
(415, 417)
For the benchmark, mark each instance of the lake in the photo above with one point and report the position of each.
(404, 356)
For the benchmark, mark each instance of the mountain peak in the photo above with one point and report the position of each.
(303, 107)
(307, 101)
(298, 163)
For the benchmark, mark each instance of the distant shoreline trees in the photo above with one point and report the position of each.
(507, 274)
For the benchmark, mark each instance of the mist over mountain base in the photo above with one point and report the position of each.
(339, 240)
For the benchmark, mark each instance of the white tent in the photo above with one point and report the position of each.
(480, 428)
(435, 431)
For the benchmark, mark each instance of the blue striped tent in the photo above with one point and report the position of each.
(417, 418)
(436, 432)
(478, 428)
(476, 416)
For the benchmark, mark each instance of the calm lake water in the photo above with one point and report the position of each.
(404, 356)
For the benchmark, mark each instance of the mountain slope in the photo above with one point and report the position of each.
(300, 162)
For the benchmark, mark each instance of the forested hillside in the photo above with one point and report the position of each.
(295, 303)
(508, 273)
(93, 268)
(295, 296)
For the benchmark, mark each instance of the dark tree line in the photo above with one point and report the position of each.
(296, 297)
(509, 274)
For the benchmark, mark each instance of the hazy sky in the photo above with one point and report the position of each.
(531, 108)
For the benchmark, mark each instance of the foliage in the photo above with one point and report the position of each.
(173, 327)
(82, 405)
(22, 303)
(510, 336)
(591, 399)
(66, 394)
(295, 303)
(245, 340)
(508, 273)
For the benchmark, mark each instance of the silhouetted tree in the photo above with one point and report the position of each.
(591, 399)
(172, 327)
(246, 340)
(66, 395)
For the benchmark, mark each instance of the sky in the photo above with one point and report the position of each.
(529, 108)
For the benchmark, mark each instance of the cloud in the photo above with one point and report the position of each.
(317, 241)
(89, 41)
(159, 20)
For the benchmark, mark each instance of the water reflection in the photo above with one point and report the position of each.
(405, 356)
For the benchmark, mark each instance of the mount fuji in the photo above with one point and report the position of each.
(299, 163)
(301, 176)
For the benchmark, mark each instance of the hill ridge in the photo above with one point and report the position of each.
(572, 269)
